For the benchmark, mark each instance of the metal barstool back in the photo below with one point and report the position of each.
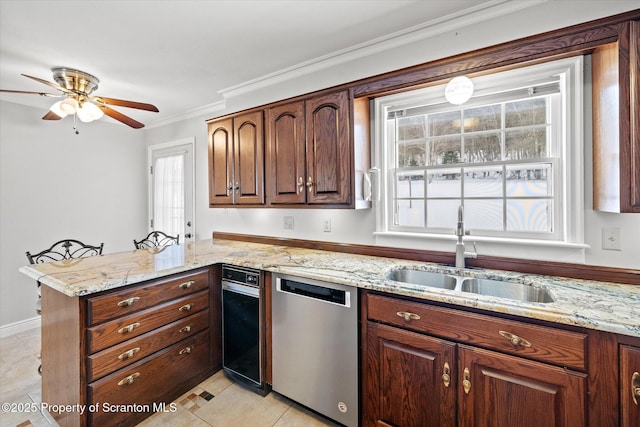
(156, 239)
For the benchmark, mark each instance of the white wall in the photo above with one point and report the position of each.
(56, 185)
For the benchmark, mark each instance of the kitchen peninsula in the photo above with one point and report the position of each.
(185, 279)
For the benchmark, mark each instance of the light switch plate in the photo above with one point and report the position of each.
(288, 223)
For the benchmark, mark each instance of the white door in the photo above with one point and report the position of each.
(171, 190)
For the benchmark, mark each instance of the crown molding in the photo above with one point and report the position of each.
(205, 110)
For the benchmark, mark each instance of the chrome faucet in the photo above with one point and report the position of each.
(461, 254)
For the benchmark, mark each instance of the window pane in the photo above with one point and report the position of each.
(526, 144)
(410, 213)
(411, 127)
(444, 183)
(526, 112)
(529, 180)
(529, 215)
(483, 214)
(444, 150)
(410, 185)
(442, 213)
(483, 182)
(482, 148)
(411, 153)
(487, 117)
(447, 123)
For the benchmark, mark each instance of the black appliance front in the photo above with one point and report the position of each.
(242, 327)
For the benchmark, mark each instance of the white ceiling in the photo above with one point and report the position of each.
(179, 55)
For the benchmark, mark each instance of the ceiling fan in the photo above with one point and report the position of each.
(77, 88)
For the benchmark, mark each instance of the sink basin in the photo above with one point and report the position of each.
(509, 290)
(488, 287)
(423, 278)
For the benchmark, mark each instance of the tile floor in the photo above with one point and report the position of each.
(215, 402)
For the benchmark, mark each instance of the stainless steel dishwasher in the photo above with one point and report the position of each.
(315, 346)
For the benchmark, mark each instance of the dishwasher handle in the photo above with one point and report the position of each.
(321, 293)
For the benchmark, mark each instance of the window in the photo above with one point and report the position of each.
(512, 156)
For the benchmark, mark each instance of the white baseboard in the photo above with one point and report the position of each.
(20, 326)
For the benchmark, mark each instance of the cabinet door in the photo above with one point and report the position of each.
(221, 162)
(501, 390)
(328, 149)
(630, 386)
(249, 158)
(410, 379)
(285, 160)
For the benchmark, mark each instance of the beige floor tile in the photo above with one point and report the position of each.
(237, 406)
(297, 416)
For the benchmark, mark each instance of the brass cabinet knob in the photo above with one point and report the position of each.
(186, 350)
(446, 374)
(515, 340)
(129, 353)
(185, 329)
(186, 307)
(127, 302)
(129, 380)
(466, 381)
(408, 316)
(186, 285)
(129, 328)
(635, 387)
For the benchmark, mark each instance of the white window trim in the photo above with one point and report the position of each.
(572, 192)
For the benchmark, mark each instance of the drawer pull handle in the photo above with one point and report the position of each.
(446, 375)
(186, 307)
(186, 329)
(129, 328)
(514, 339)
(128, 302)
(186, 285)
(408, 316)
(186, 350)
(635, 387)
(129, 353)
(466, 381)
(129, 380)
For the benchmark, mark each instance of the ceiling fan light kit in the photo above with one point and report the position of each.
(78, 87)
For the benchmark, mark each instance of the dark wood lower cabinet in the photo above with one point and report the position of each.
(630, 386)
(502, 390)
(123, 354)
(415, 377)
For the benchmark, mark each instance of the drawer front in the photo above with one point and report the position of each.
(164, 375)
(132, 299)
(119, 330)
(551, 345)
(124, 354)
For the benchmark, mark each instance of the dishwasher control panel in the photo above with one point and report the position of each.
(245, 276)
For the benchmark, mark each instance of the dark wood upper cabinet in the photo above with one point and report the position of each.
(236, 160)
(221, 162)
(328, 149)
(286, 169)
(616, 122)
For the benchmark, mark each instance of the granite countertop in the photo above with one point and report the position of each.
(603, 306)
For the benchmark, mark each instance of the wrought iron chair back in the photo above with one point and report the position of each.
(65, 249)
(156, 239)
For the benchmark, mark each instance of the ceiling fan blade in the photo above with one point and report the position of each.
(51, 84)
(30, 93)
(121, 117)
(124, 103)
(51, 116)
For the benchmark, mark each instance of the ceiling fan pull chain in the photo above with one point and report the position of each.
(75, 123)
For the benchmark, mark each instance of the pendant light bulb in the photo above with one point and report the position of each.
(55, 109)
(459, 90)
(69, 106)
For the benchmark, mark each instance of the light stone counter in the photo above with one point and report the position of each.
(595, 305)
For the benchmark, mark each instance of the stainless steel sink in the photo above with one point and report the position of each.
(423, 278)
(509, 290)
(489, 287)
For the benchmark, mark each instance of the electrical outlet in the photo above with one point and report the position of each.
(611, 239)
(288, 223)
(326, 225)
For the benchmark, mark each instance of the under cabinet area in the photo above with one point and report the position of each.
(141, 345)
(433, 366)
